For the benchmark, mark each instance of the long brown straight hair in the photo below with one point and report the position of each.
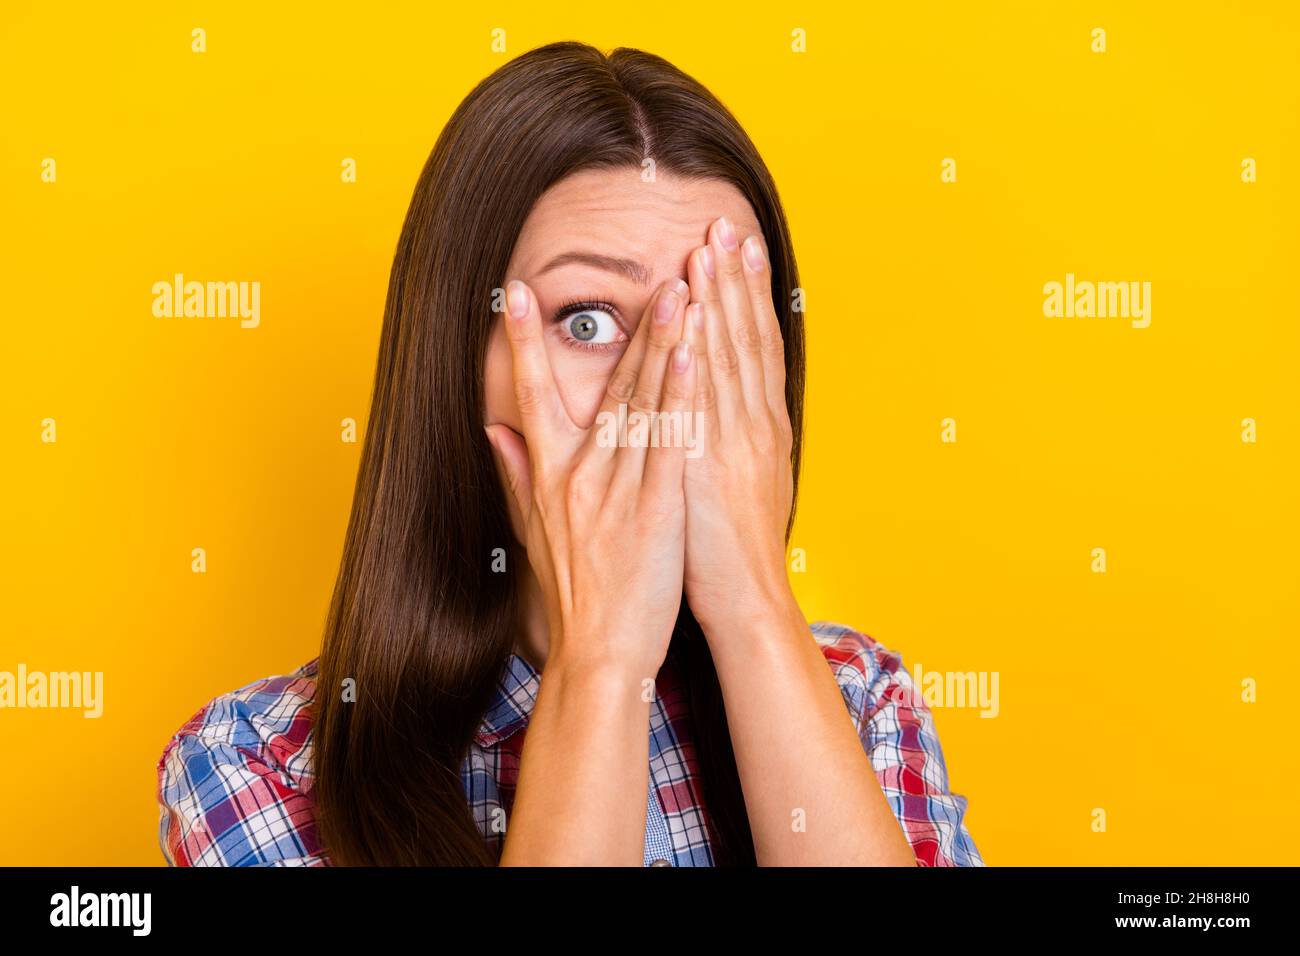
(419, 626)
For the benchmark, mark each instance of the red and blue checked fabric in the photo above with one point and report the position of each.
(234, 782)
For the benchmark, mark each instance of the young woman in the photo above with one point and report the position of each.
(594, 240)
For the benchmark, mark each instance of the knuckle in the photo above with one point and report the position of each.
(621, 384)
(773, 342)
(676, 390)
(643, 400)
(528, 395)
(761, 295)
(662, 338)
(748, 339)
(725, 359)
(521, 333)
(706, 397)
(729, 266)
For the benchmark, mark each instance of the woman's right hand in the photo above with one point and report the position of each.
(605, 522)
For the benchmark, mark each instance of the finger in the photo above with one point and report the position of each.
(758, 279)
(733, 293)
(545, 422)
(723, 373)
(704, 406)
(512, 454)
(664, 320)
(664, 464)
(623, 384)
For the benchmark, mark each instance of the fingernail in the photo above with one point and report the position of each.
(753, 254)
(666, 306)
(726, 235)
(682, 356)
(706, 257)
(517, 299)
(681, 288)
(695, 312)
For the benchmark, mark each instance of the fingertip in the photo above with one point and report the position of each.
(707, 260)
(695, 318)
(518, 299)
(682, 357)
(724, 234)
(669, 301)
(696, 272)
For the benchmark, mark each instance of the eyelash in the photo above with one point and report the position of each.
(573, 307)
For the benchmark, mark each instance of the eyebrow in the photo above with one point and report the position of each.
(627, 267)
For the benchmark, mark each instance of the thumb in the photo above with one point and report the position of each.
(512, 452)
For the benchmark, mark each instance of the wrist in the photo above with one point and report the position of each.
(601, 689)
(580, 660)
(758, 637)
(607, 645)
(761, 602)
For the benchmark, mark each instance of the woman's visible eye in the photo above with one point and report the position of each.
(591, 326)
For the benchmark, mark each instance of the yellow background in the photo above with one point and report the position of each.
(1119, 691)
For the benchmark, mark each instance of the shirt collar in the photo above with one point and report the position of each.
(512, 701)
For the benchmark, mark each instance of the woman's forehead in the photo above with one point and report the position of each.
(616, 212)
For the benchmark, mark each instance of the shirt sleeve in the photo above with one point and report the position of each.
(898, 734)
(226, 805)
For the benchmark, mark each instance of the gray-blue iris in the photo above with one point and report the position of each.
(583, 326)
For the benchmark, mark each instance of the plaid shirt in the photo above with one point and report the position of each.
(234, 782)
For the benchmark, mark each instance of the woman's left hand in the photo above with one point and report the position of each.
(739, 490)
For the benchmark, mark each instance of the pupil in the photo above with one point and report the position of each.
(583, 327)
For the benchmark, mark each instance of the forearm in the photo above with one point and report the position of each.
(811, 794)
(581, 797)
